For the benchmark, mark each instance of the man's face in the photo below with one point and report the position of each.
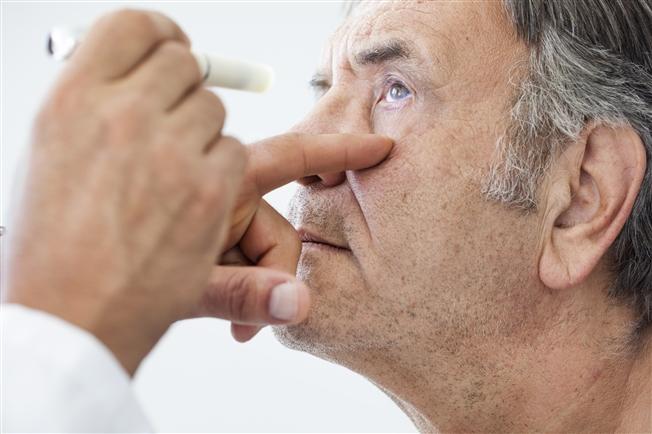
(428, 264)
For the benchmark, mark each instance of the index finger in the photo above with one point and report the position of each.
(120, 40)
(282, 159)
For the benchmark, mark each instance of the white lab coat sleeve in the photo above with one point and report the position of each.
(57, 377)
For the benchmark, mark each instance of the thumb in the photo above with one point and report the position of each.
(254, 295)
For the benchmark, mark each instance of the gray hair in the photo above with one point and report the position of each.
(590, 61)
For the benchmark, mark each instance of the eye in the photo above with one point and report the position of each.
(396, 92)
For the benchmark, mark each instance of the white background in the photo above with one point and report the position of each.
(198, 378)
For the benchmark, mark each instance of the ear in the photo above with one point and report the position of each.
(591, 191)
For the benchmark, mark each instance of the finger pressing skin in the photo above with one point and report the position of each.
(167, 75)
(279, 160)
(120, 40)
(271, 241)
(254, 296)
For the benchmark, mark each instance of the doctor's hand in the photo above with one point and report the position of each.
(269, 293)
(129, 189)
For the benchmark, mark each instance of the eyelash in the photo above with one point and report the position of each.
(389, 83)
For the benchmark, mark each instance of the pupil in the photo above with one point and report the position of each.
(396, 91)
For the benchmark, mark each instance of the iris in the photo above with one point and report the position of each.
(397, 92)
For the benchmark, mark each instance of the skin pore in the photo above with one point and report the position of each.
(457, 307)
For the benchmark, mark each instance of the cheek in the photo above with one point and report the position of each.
(416, 205)
(397, 124)
(426, 173)
(406, 121)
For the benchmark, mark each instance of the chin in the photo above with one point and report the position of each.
(322, 332)
(301, 338)
(345, 317)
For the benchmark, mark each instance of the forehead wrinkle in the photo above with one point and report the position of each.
(430, 45)
(426, 59)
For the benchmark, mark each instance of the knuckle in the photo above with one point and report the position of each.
(212, 105)
(124, 15)
(183, 61)
(236, 152)
(133, 21)
(120, 19)
(146, 27)
(179, 55)
(208, 112)
(242, 295)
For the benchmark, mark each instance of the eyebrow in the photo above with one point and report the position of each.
(387, 51)
(319, 81)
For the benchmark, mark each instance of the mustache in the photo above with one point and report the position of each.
(322, 212)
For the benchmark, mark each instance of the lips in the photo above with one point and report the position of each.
(311, 237)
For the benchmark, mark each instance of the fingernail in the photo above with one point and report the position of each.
(284, 301)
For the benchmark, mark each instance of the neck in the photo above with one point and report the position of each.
(552, 386)
(636, 413)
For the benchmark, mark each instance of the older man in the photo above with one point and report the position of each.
(495, 272)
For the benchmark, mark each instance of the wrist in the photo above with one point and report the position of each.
(128, 335)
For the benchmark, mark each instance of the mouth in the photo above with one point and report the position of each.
(310, 239)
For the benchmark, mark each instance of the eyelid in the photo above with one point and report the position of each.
(388, 81)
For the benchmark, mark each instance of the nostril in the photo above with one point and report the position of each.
(332, 179)
(307, 180)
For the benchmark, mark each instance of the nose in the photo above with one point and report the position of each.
(335, 112)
